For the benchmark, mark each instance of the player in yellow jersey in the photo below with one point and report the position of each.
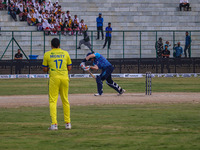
(58, 63)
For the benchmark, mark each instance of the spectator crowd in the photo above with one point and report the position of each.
(164, 52)
(47, 16)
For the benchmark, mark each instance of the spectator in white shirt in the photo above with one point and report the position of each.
(67, 15)
(46, 27)
(184, 3)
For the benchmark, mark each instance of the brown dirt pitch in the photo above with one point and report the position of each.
(89, 99)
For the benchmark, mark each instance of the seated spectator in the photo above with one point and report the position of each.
(52, 28)
(82, 26)
(184, 3)
(178, 50)
(42, 7)
(67, 15)
(11, 11)
(2, 5)
(57, 4)
(39, 23)
(166, 52)
(36, 4)
(31, 18)
(64, 28)
(57, 25)
(46, 15)
(25, 13)
(20, 11)
(46, 26)
(75, 27)
(159, 47)
(70, 25)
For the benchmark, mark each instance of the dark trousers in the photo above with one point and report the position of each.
(98, 31)
(185, 50)
(184, 5)
(107, 75)
(13, 15)
(165, 62)
(108, 39)
(18, 67)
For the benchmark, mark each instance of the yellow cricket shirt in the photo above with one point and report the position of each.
(57, 61)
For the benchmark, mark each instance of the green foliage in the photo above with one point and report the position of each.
(125, 127)
(80, 86)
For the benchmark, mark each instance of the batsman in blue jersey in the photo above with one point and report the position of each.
(99, 62)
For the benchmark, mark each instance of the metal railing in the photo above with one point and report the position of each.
(125, 44)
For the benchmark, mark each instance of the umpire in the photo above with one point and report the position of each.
(85, 41)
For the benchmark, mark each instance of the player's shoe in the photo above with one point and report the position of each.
(97, 94)
(123, 91)
(68, 126)
(53, 127)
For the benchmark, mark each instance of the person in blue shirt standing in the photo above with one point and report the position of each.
(108, 36)
(187, 45)
(178, 50)
(99, 21)
(100, 62)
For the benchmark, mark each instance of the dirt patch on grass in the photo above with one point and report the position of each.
(89, 99)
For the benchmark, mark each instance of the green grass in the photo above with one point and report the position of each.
(108, 127)
(79, 86)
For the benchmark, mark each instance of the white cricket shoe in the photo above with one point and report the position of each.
(97, 94)
(53, 127)
(68, 126)
(123, 91)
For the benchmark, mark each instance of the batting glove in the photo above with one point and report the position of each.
(82, 65)
(86, 68)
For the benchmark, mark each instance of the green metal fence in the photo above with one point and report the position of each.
(125, 44)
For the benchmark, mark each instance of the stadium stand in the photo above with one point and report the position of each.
(125, 15)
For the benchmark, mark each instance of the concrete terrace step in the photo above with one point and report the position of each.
(124, 15)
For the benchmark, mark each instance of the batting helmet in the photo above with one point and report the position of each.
(88, 55)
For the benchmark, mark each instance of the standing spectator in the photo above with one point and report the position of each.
(99, 21)
(165, 52)
(168, 45)
(108, 36)
(18, 58)
(165, 61)
(159, 47)
(85, 41)
(184, 3)
(58, 81)
(187, 45)
(178, 50)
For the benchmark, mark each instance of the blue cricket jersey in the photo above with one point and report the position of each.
(99, 22)
(179, 51)
(188, 40)
(108, 34)
(101, 61)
